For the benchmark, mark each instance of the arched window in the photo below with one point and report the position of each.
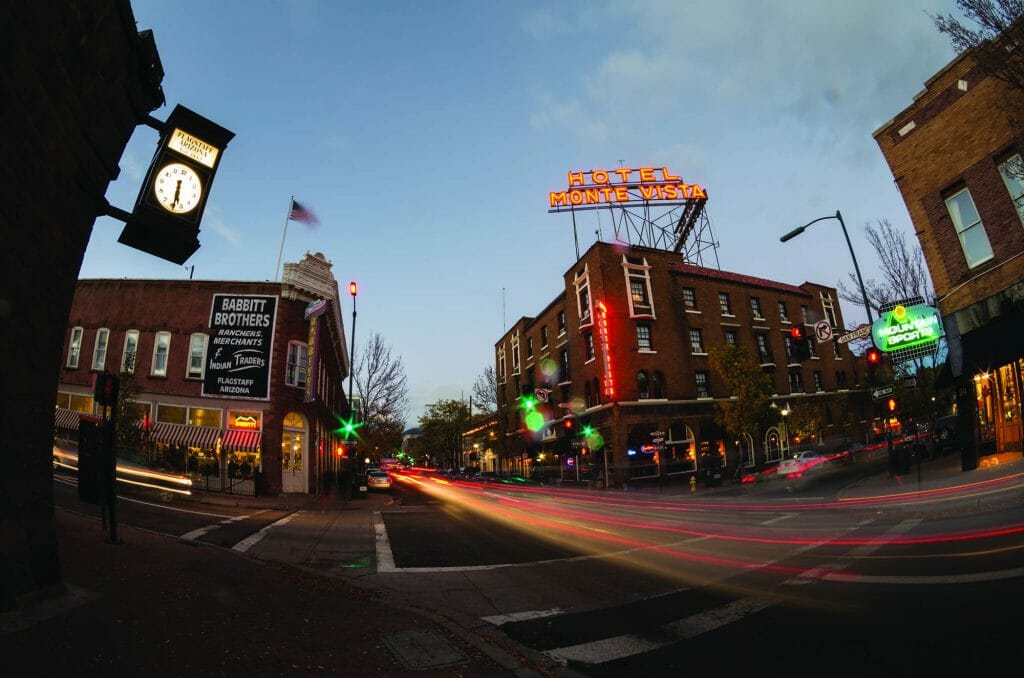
(597, 391)
(587, 394)
(641, 384)
(657, 385)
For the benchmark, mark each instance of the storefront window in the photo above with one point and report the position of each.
(202, 417)
(171, 414)
(81, 403)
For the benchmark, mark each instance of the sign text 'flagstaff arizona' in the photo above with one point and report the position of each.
(623, 186)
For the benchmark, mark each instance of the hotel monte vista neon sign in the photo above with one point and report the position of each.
(907, 327)
(623, 186)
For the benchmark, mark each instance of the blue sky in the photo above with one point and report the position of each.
(426, 136)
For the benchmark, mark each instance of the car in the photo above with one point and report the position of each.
(378, 480)
(801, 463)
(945, 428)
(484, 477)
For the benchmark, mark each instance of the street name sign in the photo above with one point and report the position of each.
(859, 333)
(881, 392)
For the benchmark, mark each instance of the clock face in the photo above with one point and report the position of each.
(177, 188)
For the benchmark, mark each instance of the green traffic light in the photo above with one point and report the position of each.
(529, 403)
(348, 427)
(588, 430)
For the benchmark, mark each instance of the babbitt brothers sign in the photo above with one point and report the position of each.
(241, 341)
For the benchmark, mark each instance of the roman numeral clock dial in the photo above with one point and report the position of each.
(177, 188)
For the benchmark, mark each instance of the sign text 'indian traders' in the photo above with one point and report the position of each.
(241, 344)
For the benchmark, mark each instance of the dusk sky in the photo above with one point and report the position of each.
(427, 135)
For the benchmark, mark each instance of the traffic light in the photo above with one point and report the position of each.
(892, 405)
(873, 356)
(106, 389)
(798, 339)
(569, 424)
(527, 400)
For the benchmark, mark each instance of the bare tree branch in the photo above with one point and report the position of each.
(381, 380)
(485, 391)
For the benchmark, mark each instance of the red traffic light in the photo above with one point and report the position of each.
(797, 332)
(873, 356)
(892, 405)
(569, 424)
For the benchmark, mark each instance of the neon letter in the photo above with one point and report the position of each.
(599, 177)
(666, 176)
(560, 198)
(647, 174)
(621, 194)
(575, 179)
(623, 173)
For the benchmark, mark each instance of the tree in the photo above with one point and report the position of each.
(129, 415)
(749, 410)
(442, 426)
(804, 421)
(381, 381)
(485, 391)
(904, 274)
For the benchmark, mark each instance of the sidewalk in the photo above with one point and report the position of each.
(159, 606)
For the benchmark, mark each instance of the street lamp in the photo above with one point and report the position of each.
(797, 231)
(352, 289)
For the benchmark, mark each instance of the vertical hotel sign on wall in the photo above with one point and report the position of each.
(241, 342)
(314, 310)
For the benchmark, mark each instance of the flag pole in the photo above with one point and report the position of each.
(284, 232)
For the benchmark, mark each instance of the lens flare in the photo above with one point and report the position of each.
(535, 421)
(548, 367)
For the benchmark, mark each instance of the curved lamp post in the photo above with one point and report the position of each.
(352, 289)
(797, 231)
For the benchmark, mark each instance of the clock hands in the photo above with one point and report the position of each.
(177, 193)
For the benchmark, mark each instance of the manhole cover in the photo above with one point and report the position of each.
(423, 649)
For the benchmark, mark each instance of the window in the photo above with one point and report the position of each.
(543, 336)
(588, 341)
(796, 381)
(755, 308)
(819, 385)
(841, 379)
(812, 347)
(829, 308)
(563, 365)
(74, 347)
(763, 352)
(529, 347)
(501, 364)
(804, 315)
(1012, 170)
(702, 384)
(99, 351)
(161, 348)
(641, 385)
(643, 337)
(597, 391)
(723, 302)
(783, 316)
(657, 385)
(131, 350)
(515, 354)
(788, 341)
(696, 341)
(171, 414)
(588, 395)
(730, 337)
(196, 356)
(689, 297)
(561, 323)
(967, 222)
(583, 297)
(297, 370)
(835, 350)
(639, 283)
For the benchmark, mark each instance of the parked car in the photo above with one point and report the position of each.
(801, 463)
(945, 428)
(378, 480)
(484, 477)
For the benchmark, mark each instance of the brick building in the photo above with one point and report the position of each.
(242, 407)
(85, 76)
(956, 159)
(624, 349)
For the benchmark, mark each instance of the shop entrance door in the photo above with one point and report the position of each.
(294, 454)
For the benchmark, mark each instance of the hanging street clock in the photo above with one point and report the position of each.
(169, 209)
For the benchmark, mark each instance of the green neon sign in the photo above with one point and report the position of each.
(907, 327)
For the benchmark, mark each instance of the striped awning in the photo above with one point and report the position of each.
(189, 436)
(66, 419)
(241, 440)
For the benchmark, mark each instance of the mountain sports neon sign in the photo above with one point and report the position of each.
(907, 327)
(623, 186)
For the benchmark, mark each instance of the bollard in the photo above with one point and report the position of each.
(693, 483)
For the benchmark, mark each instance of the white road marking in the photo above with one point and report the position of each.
(252, 539)
(526, 615)
(385, 558)
(195, 534)
(619, 647)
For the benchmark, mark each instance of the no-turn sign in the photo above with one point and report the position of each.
(823, 330)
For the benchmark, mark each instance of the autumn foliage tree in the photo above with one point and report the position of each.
(749, 410)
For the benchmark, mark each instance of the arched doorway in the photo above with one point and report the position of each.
(775, 445)
(294, 449)
(745, 444)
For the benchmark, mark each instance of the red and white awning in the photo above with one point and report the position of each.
(241, 440)
(66, 419)
(189, 436)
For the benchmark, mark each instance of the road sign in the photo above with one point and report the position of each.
(576, 443)
(859, 333)
(541, 394)
(881, 392)
(909, 382)
(823, 331)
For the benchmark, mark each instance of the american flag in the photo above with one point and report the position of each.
(303, 214)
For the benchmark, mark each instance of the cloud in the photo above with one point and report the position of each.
(212, 219)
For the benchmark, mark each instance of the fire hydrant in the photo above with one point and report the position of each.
(693, 483)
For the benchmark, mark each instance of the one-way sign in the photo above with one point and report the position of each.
(879, 393)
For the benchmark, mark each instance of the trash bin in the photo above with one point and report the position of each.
(359, 491)
(712, 475)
